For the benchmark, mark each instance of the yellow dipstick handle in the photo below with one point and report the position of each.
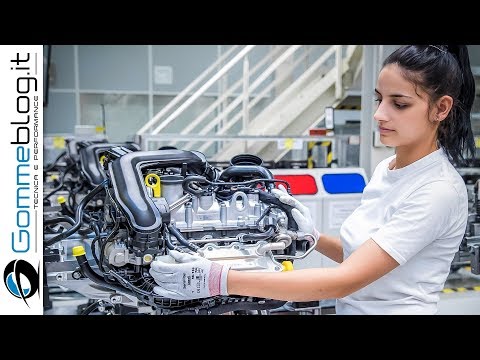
(155, 185)
(102, 159)
(78, 251)
(287, 265)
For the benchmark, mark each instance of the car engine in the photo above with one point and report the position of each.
(156, 201)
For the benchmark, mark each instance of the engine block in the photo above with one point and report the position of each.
(156, 201)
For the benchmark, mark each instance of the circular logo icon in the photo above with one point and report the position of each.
(21, 279)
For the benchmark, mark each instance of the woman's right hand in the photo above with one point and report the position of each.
(301, 213)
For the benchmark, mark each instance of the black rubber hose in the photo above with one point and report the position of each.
(269, 198)
(236, 172)
(181, 239)
(65, 209)
(52, 165)
(195, 192)
(78, 216)
(259, 236)
(59, 219)
(92, 275)
(96, 229)
(169, 243)
(59, 187)
(91, 308)
(233, 306)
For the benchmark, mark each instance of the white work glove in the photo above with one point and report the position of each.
(300, 213)
(183, 276)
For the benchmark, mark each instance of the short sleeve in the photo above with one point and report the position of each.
(428, 213)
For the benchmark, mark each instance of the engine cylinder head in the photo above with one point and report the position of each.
(171, 187)
(206, 202)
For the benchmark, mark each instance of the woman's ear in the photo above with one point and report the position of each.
(444, 105)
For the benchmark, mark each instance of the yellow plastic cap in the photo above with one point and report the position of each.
(287, 265)
(61, 200)
(155, 186)
(78, 251)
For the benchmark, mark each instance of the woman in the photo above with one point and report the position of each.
(395, 249)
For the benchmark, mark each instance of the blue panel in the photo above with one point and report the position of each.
(343, 183)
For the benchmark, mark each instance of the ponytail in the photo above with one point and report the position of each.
(455, 134)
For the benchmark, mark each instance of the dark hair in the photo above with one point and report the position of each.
(444, 70)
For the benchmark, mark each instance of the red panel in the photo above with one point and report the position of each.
(299, 184)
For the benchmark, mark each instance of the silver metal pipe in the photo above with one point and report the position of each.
(262, 249)
(315, 242)
(178, 203)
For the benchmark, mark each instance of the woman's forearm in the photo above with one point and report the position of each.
(331, 247)
(297, 285)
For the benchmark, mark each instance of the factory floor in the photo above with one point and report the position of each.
(461, 296)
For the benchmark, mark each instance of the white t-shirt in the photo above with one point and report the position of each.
(418, 215)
